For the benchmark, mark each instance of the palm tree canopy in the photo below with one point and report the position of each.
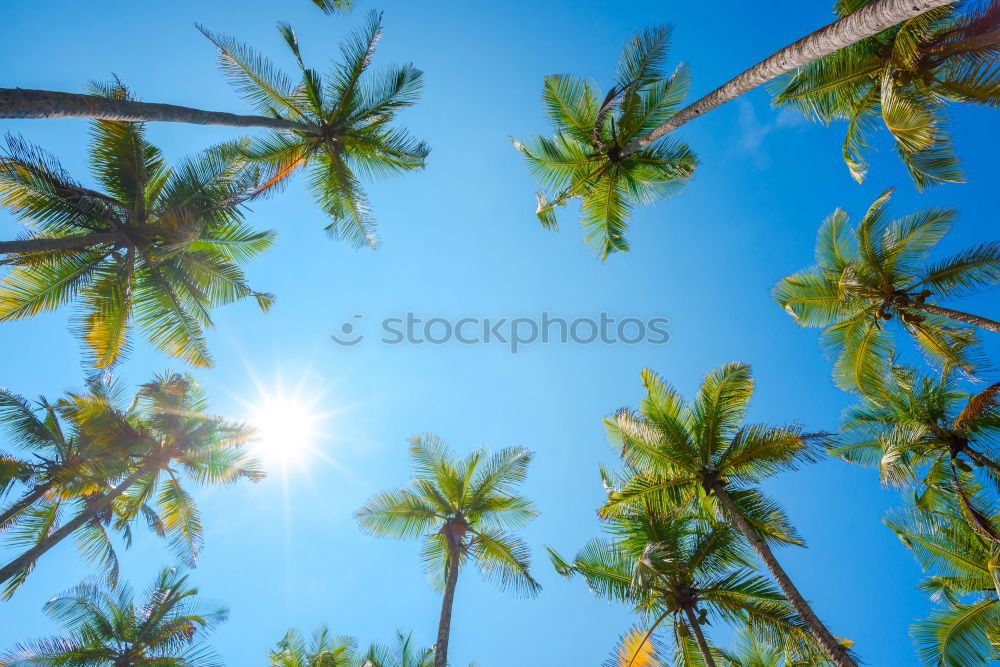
(182, 439)
(903, 78)
(13, 471)
(961, 564)
(584, 158)
(919, 424)
(751, 650)
(163, 436)
(637, 648)
(334, 6)
(673, 451)
(663, 566)
(402, 652)
(175, 241)
(72, 465)
(879, 271)
(469, 502)
(324, 649)
(53, 449)
(109, 627)
(348, 113)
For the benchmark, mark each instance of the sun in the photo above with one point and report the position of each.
(287, 428)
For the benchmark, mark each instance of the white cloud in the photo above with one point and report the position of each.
(753, 132)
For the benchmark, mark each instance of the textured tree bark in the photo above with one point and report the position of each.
(27, 500)
(823, 635)
(444, 624)
(67, 529)
(959, 316)
(25, 103)
(699, 636)
(870, 20)
(61, 243)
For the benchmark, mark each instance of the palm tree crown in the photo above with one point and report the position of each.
(699, 459)
(334, 6)
(109, 627)
(688, 571)
(349, 115)
(584, 158)
(674, 452)
(919, 425)
(158, 247)
(64, 463)
(878, 271)
(324, 649)
(401, 652)
(752, 650)
(903, 77)
(464, 509)
(961, 564)
(58, 460)
(180, 438)
(165, 435)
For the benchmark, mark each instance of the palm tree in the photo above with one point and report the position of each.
(869, 19)
(963, 579)
(166, 434)
(752, 650)
(686, 571)
(321, 650)
(463, 509)
(353, 113)
(109, 627)
(57, 459)
(903, 77)
(402, 652)
(13, 471)
(700, 457)
(158, 248)
(327, 650)
(919, 424)
(638, 648)
(334, 6)
(590, 159)
(338, 126)
(584, 158)
(878, 271)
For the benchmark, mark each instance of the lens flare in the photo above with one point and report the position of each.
(287, 428)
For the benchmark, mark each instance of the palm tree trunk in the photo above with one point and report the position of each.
(24, 103)
(67, 529)
(977, 457)
(870, 20)
(959, 316)
(825, 638)
(27, 500)
(444, 624)
(699, 636)
(61, 243)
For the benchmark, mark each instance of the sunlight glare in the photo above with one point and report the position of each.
(286, 428)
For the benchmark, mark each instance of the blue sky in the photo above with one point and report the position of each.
(460, 239)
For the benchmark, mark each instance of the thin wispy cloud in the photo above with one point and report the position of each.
(753, 132)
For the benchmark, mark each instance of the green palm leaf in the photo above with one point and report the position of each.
(584, 159)
(901, 79)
